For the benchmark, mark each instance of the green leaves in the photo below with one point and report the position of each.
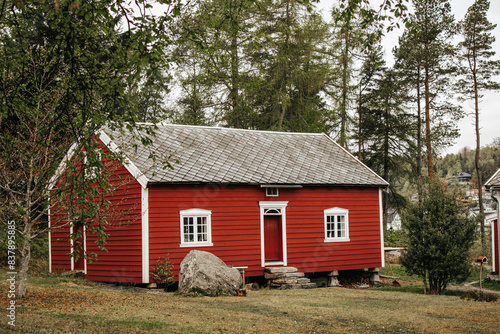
(440, 236)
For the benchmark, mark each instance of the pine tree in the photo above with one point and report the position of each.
(480, 71)
(427, 43)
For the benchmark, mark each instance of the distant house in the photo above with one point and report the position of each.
(393, 220)
(253, 198)
(493, 185)
(461, 177)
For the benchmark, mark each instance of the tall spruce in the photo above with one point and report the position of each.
(294, 67)
(431, 29)
(212, 38)
(349, 35)
(480, 70)
(387, 133)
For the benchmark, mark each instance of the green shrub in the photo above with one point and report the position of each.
(439, 239)
(395, 238)
(162, 272)
(479, 296)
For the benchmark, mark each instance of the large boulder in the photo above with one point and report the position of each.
(203, 272)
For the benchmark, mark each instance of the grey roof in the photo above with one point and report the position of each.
(494, 181)
(235, 156)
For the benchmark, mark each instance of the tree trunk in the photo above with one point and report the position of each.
(386, 162)
(343, 103)
(360, 138)
(24, 260)
(425, 282)
(233, 95)
(284, 84)
(419, 138)
(428, 123)
(477, 157)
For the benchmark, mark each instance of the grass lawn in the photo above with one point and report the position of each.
(489, 284)
(67, 305)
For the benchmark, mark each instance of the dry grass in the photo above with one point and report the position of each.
(56, 305)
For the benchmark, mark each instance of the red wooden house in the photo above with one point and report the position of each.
(493, 185)
(253, 198)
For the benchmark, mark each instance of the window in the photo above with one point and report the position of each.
(336, 225)
(91, 171)
(272, 192)
(196, 228)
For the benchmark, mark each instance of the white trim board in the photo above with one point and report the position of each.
(145, 233)
(281, 205)
(381, 218)
(127, 163)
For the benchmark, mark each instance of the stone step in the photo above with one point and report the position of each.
(287, 278)
(280, 270)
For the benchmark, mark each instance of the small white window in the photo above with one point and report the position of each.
(91, 171)
(336, 225)
(272, 192)
(196, 229)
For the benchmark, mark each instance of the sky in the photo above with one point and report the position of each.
(489, 106)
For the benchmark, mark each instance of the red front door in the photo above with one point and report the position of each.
(273, 239)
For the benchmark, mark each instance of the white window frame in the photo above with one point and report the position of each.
(336, 212)
(91, 172)
(195, 213)
(269, 191)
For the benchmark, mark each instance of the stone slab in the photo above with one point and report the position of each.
(280, 270)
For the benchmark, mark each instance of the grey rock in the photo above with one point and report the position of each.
(205, 273)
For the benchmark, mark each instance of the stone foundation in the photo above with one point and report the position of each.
(287, 278)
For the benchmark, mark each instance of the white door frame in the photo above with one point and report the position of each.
(280, 206)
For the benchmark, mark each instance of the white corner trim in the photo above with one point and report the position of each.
(145, 233)
(72, 243)
(127, 163)
(496, 196)
(84, 230)
(270, 205)
(381, 217)
(50, 237)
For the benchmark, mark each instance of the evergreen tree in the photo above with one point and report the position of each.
(432, 27)
(439, 238)
(480, 71)
(386, 132)
(294, 67)
(213, 36)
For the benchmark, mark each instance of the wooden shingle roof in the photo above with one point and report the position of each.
(236, 156)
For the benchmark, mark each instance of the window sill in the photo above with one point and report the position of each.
(196, 245)
(336, 240)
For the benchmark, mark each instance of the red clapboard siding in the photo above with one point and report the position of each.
(236, 225)
(123, 260)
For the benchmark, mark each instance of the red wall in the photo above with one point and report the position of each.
(123, 260)
(236, 225)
